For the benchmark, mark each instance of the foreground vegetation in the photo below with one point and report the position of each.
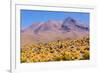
(64, 50)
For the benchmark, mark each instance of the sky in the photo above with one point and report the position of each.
(33, 16)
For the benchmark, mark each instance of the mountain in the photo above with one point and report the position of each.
(53, 30)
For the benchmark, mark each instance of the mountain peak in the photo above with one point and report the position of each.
(48, 26)
(70, 20)
(68, 24)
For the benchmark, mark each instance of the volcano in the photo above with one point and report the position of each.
(53, 30)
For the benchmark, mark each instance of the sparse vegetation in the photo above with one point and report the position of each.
(61, 50)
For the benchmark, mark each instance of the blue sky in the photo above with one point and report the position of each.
(31, 16)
